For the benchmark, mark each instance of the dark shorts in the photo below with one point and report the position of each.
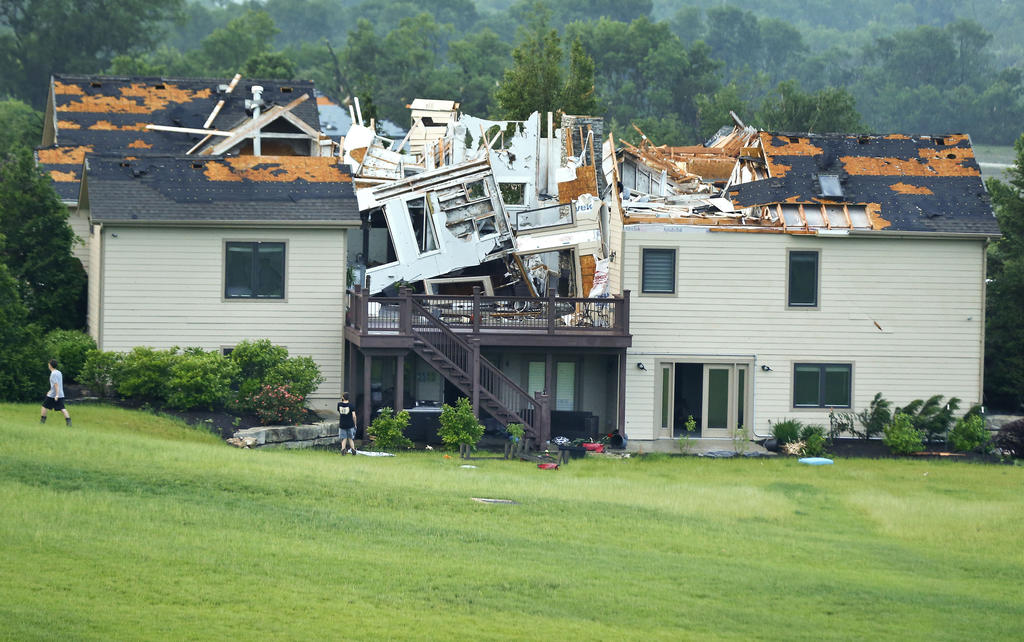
(53, 404)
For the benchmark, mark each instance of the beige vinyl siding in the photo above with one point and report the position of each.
(925, 294)
(79, 222)
(164, 287)
(92, 319)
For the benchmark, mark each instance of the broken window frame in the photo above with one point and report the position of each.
(426, 233)
(504, 185)
(390, 245)
(561, 222)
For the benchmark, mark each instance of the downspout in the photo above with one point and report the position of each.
(984, 310)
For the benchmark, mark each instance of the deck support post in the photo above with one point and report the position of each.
(621, 405)
(399, 383)
(474, 342)
(365, 414)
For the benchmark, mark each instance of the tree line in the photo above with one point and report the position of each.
(674, 68)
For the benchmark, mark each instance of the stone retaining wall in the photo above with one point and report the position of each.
(305, 436)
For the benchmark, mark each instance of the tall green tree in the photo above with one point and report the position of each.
(19, 125)
(226, 51)
(537, 81)
(534, 81)
(50, 281)
(479, 60)
(790, 109)
(42, 37)
(22, 356)
(1004, 341)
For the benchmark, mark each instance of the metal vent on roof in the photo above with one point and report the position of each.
(830, 185)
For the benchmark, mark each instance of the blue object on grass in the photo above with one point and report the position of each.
(815, 461)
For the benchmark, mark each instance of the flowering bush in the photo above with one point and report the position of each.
(278, 405)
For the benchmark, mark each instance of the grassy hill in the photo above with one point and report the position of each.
(130, 526)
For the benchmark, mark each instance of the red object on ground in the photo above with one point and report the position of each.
(547, 466)
(594, 447)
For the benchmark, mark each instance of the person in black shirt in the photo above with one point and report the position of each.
(347, 426)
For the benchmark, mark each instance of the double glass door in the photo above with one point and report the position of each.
(714, 394)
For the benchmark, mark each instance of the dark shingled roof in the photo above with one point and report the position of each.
(109, 114)
(913, 183)
(266, 189)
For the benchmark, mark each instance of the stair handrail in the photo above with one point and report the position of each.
(528, 400)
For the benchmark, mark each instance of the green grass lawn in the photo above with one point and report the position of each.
(130, 526)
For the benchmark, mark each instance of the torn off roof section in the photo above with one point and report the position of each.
(906, 183)
(109, 115)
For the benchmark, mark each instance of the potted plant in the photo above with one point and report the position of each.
(515, 441)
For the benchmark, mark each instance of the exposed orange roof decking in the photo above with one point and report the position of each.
(903, 188)
(63, 155)
(277, 169)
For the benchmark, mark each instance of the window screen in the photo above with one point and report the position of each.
(803, 279)
(254, 270)
(659, 271)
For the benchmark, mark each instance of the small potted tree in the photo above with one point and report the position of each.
(459, 427)
(515, 439)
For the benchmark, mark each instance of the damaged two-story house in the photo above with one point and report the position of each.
(210, 212)
(475, 273)
(822, 269)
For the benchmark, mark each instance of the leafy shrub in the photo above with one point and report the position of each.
(101, 371)
(278, 405)
(200, 379)
(301, 373)
(874, 418)
(515, 432)
(686, 439)
(815, 443)
(840, 423)
(459, 425)
(901, 436)
(261, 363)
(969, 433)
(388, 430)
(1011, 438)
(931, 417)
(23, 373)
(144, 374)
(255, 360)
(787, 431)
(70, 348)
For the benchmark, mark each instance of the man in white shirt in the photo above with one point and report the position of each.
(54, 399)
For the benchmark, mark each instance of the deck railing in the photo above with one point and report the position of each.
(479, 313)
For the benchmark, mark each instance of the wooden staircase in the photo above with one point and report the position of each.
(459, 361)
